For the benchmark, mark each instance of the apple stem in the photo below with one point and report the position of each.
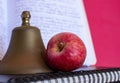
(61, 46)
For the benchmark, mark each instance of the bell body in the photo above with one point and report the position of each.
(26, 52)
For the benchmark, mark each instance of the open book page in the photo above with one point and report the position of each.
(10, 17)
(3, 27)
(54, 16)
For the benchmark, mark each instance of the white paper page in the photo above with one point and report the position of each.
(4, 78)
(54, 16)
(3, 28)
(10, 17)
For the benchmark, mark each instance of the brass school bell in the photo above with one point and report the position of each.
(26, 51)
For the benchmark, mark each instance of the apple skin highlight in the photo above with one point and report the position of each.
(65, 52)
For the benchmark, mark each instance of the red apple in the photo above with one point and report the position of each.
(65, 52)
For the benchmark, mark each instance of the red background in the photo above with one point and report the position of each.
(104, 21)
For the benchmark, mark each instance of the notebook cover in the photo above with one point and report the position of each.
(104, 20)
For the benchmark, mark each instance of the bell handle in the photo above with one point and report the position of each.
(25, 18)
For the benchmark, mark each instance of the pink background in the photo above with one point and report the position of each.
(104, 21)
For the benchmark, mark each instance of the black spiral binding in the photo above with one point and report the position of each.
(111, 75)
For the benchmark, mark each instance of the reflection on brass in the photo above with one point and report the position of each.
(26, 51)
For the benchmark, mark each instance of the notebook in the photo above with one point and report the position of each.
(90, 74)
